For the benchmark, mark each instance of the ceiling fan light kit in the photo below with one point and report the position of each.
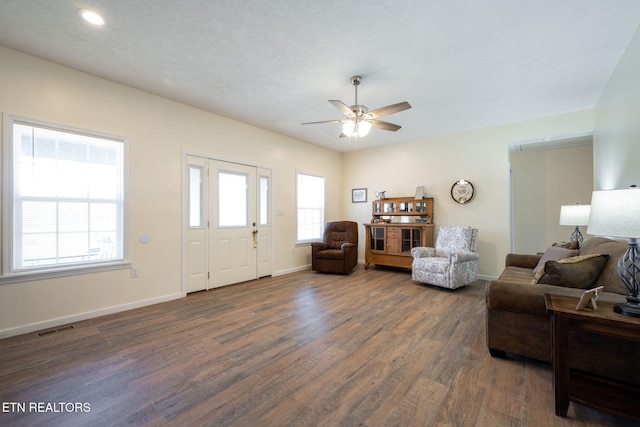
(358, 129)
(359, 119)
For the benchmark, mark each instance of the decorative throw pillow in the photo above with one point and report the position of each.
(567, 245)
(552, 253)
(575, 272)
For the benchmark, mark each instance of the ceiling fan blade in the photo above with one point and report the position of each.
(389, 109)
(342, 107)
(384, 125)
(323, 121)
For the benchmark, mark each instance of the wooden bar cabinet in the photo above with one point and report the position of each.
(397, 225)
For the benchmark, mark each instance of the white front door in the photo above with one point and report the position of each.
(233, 228)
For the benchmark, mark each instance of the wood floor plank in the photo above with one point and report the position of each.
(371, 349)
(418, 407)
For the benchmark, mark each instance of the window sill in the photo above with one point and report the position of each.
(62, 272)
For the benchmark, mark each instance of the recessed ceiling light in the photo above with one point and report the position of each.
(91, 17)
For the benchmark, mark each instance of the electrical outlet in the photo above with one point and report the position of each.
(135, 272)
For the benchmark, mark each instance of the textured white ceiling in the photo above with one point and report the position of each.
(462, 64)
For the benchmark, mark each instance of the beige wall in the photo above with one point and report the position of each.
(543, 181)
(480, 156)
(617, 137)
(159, 130)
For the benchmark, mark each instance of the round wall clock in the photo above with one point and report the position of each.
(462, 191)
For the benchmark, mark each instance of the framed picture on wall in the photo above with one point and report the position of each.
(358, 195)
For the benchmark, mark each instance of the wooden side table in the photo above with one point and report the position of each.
(571, 385)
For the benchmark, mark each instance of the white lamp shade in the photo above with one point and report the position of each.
(574, 215)
(363, 128)
(615, 213)
(348, 127)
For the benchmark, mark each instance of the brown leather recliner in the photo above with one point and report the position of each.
(338, 252)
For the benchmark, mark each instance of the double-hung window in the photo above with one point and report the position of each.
(64, 198)
(310, 207)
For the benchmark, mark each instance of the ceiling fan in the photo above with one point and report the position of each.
(359, 119)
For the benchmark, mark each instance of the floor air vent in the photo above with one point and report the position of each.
(53, 331)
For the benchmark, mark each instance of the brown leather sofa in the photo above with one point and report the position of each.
(518, 323)
(338, 252)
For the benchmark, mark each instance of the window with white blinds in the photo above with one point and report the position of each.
(64, 207)
(310, 207)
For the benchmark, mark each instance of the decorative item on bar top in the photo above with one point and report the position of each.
(575, 215)
(380, 195)
(616, 213)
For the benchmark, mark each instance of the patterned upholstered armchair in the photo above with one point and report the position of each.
(453, 263)
(338, 252)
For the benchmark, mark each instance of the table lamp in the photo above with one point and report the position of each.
(575, 215)
(616, 213)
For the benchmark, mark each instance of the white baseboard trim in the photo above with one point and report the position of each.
(51, 323)
(291, 270)
(486, 277)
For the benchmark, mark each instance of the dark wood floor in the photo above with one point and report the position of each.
(306, 349)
